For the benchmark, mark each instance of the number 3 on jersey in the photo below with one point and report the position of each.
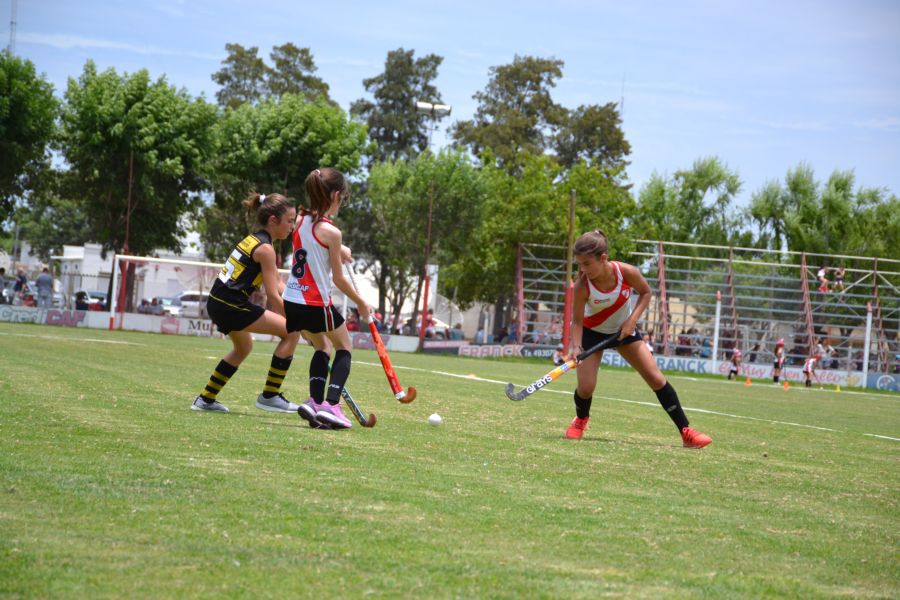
(233, 268)
(298, 269)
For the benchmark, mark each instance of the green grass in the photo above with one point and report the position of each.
(111, 487)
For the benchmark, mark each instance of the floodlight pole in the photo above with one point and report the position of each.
(434, 111)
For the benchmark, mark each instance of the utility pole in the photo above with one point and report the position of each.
(12, 29)
(435, 111)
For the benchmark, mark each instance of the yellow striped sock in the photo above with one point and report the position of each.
(277, 372)
(220, 376)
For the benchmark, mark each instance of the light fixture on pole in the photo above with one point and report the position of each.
(435, 111)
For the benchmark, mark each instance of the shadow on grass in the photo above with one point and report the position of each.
(588, 439)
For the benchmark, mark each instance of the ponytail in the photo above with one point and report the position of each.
(321, 184)
(262, 206)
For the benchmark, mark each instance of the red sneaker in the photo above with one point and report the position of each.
(694, 439)
(576, 429)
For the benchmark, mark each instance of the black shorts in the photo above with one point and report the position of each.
(314, 319)
(230, 317)
(590, 338)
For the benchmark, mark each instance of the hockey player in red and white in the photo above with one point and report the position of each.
(317, 265)
(809, 368)
(778, 363)
(735, 363)
(610, 298)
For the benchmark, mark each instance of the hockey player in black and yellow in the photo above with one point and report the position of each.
(252, 263)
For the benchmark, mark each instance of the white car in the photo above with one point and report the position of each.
(193, 304)
(165, 306)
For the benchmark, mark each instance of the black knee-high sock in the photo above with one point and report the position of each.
(775, 378)
(277, 372)
(340, 371)
(220, 376)
(669, 400)
(318, 375)
(582, 406)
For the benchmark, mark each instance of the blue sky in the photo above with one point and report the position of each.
(763, 85)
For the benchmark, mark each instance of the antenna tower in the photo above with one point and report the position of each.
(12, 29)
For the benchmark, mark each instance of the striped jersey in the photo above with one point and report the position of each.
(810, 365)
(310, 281)
(241, 275)
(606, 310)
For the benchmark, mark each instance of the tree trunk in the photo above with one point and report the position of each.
(501, 314)
(382, 289)
(415, 312)
(129, 287)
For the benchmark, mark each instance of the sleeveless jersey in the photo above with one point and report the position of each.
(606, 310)
(241, 275)
(310, 281)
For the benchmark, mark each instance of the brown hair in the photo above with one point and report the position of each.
(264, 206)
(320, 185)
(593, 243)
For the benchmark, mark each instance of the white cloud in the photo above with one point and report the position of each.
(796, 125)
(889, 124)
(67, 42)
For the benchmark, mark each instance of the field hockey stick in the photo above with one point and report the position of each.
(403, 396)
(365, 421)
(558, 371)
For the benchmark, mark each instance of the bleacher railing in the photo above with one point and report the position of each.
(765, 296)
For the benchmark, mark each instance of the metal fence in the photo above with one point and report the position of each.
(800, 297)
(816, 303)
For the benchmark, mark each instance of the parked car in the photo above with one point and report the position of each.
(193, 304)
(89, 300)
(7, 295)
(29, 298)
(441, 329)
(165, 306)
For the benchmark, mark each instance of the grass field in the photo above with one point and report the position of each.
(110, 486)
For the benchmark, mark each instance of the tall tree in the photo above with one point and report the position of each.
(246, 78)
(592, 134)
(695, 205)
(394, 126)
(827, 218)
(516, 114)
(242, 77)
(532, 207)
(400, 192)
(27, 123)
(54, 214)
(292, 72)
(138, 148)
(272, 147)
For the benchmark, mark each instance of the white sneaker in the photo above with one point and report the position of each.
(214, 406)
(276, 403)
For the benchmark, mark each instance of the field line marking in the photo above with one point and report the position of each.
(640, 402)
(884, 437)
(796, 385)
(77, 339)
(668, 376)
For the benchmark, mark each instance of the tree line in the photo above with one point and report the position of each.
(133, 163)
